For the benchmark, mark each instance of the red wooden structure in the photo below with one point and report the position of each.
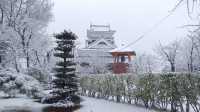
(121, 60)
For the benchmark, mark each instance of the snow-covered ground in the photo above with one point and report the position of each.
(20, 104)
(99, 105)
(89, 105)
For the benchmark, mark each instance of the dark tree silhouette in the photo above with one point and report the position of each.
(65, 83)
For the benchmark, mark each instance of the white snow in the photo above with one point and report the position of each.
(20, 103)
(99, 105)
(122, 49)
(14, 83)
(89, 105)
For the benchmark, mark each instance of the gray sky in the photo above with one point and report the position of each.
(130, 18)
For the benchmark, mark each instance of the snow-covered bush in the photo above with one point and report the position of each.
(13, 83)
(162, 91)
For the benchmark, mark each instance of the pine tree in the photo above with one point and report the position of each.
(65, 84)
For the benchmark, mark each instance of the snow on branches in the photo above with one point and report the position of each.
(13, 83)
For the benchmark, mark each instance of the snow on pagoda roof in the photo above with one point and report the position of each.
(99, 27)
(122, 49)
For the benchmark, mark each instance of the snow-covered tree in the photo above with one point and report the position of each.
(192, 6)
(23, 24)
(144, 63)
(168, 53)
(65, 83)
(189, 54)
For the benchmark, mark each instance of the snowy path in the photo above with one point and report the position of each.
(98, 105)
(89, 105)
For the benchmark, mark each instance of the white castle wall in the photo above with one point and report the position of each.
(95, 59)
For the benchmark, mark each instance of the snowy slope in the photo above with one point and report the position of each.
(98, 105)
(20, 104)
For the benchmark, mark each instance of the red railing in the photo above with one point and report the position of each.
(119, 68)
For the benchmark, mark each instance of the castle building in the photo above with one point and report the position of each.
(95, 57)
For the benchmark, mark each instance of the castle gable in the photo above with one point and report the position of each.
(100, 36)
(102, 43)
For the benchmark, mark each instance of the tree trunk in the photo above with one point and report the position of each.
(16, 66)
(129, 101)
(2, 14)
(37, 58)
(27, 60)
(173, 69)
(173, 106)
(181, 106)
(118, 98)
(187, 106)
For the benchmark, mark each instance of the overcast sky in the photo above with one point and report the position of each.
(130, 19)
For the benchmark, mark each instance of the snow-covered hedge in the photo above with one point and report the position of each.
(13, 83)
(178, 91)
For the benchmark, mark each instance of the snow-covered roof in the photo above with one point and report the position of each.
(122, 49)
(107, 44)
(100, 27)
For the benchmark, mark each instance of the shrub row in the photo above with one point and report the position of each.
(166, 91)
